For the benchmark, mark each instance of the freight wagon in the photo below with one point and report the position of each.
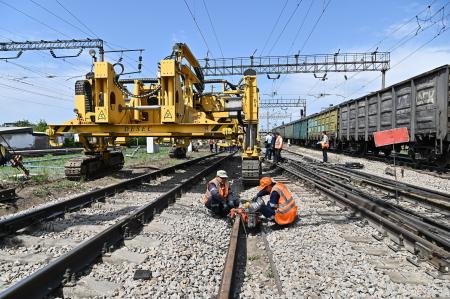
(421, 104)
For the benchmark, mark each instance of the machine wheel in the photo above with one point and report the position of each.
(178, 153)
(443, 160)
(93, 166)
(251, 172)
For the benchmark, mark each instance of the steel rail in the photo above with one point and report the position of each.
(14, 223)
(427, 251)
(227, 285)
(42, 282)
(443, 227)
(434, 233)
(431, 197)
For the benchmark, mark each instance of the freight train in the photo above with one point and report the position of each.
(421, 104)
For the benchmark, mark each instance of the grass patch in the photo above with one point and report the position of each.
(253, 258)
(269, 273)
(60, 185)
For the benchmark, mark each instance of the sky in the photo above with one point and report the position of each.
(37, 86)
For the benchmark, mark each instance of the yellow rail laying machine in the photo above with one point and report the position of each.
(173, 105)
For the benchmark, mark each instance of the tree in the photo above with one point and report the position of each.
(41, 126)
(24, 123)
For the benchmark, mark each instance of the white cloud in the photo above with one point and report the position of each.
(424, 60)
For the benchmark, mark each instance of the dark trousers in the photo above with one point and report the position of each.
(211, 146)
(221, 207)
(277, 155)
(269, 152)
(325, 155)
(267, 211)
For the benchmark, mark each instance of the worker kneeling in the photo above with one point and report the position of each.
(219, 197)
(281, 207)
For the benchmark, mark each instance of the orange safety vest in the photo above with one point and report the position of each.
(286, 211)
(325, 144)
(279, 142)
(224, 189)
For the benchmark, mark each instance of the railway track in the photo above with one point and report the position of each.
(400, 160)
(50, 151)
(407, 228)
(435, 203)
(74, 234)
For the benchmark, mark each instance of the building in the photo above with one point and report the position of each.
(23, 138)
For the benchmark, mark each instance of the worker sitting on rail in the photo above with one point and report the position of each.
(324, 143)
(219, 198)
(281, 207)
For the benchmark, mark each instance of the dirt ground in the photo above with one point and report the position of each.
(42, 189)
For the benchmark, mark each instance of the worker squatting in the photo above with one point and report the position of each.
(280, 208)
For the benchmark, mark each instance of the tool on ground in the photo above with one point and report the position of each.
(249, 212)
(15, 160)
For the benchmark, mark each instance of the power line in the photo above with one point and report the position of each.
(73, 66)
(34, 102)
(198, 27)
(18, 80)
(33, 92)
(212, 25)
(301, 26)
(33, 18)
(417, 30)
(444, 29)
(94, 34)
(311, 32)
(285, 25)
(315, 25)
(401, 26)
(55, 15)
(274, 26)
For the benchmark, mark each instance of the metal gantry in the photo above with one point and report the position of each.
(81, 44)
(282, 103)
(292, 64)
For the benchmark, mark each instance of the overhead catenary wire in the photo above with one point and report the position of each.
(315, 25)
(198, 28)
(300, 27)
(213, 28)
(93, 34)
(35, 19)
(398, 45)
(35, 92)
(309, 35)
(274, 27)
(9, 98)
(405, 57)
(285, 25)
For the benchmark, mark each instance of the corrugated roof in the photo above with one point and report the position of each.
(15, 130)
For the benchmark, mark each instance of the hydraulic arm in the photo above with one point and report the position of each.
(174, 105)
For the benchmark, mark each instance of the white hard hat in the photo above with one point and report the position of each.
(222, 174)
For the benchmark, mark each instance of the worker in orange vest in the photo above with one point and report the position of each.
(219, 198)
(324, 144)
(211, 145)
(281, 207)
(277, 148)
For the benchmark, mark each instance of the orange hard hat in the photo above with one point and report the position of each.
(264, 182)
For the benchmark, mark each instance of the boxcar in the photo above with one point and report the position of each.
(324, 121)
(288, 132)
(300, 132)
(420, 104)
